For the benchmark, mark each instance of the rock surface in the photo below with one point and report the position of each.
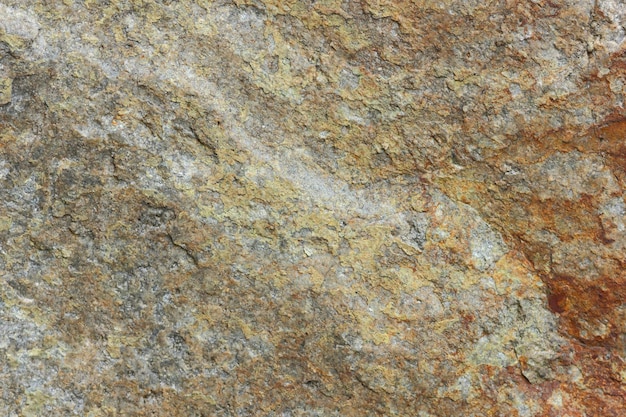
(312, 208)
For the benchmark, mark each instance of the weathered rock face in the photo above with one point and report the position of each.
(312, 208)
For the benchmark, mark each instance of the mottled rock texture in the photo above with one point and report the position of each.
(312, 208)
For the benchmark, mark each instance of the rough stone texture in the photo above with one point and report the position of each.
(312, 208)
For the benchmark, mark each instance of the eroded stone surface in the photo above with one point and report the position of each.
(312, 208)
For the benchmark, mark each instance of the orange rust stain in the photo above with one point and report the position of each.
(614, 129)
(567, 219)
(611, 139)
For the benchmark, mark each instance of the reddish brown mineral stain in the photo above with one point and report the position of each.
(588, 309)
(556, 302)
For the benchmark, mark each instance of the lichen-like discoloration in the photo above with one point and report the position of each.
(6, 87)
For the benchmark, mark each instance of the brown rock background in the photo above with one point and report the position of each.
(312, 208)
